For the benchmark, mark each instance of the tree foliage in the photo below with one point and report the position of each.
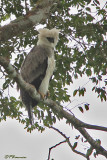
(82, 50)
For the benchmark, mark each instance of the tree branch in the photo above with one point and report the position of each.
(69, 143)
(36, 16)
(54, 106)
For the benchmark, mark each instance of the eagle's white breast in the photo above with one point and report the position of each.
(49, 72)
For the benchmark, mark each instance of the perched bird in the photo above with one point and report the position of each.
(38, 66)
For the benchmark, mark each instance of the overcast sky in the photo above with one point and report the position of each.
(15, 140)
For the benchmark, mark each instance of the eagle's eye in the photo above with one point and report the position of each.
(50, 39)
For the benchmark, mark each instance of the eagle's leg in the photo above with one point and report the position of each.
(42, 95)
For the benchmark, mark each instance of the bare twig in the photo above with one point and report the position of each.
(54, 147)
(69, 143)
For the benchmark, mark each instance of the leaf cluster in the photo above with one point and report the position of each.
(9, 107)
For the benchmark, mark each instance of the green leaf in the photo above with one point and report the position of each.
(81, 109)
(93, 88)
(77, 137)
(86, 106)
(88, 9)
(97, 2)
(82, 91)
(75, 145)
(88, 72)
(89, 151)
(75, 92)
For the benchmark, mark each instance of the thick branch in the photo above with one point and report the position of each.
(36, 16)
(54, 106)
(90, 126)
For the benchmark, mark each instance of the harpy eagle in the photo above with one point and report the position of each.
(38, 66)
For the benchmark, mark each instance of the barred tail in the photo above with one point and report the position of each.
(27, 101)
(30, 115)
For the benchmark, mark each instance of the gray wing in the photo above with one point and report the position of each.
(35, 65)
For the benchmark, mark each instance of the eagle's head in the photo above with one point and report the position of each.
(48, 37)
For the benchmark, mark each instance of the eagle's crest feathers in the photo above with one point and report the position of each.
(45, 34)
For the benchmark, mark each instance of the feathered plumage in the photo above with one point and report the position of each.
(38, 66)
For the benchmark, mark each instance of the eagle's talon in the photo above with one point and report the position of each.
(42, 95)
(48, 94)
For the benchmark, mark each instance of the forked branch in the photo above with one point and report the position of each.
(69, 143)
